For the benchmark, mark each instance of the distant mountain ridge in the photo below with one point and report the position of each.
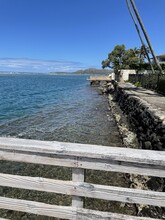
(81, 71)
(93, 71)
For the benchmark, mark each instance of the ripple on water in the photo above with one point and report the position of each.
(57, 108)
(61, 108)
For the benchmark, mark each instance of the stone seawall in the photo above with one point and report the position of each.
(146, 119)
(146, 116)
(140, 117)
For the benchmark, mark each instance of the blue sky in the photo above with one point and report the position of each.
(67, 35)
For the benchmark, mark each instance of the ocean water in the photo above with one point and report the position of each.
(55, 107)
(59, 108)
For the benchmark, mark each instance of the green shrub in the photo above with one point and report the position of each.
(138, 84)
(161, 86)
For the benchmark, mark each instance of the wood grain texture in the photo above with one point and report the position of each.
(79, 157)
(84, 214)
(62, 211)
(81, 189)
(37, 208)
(84, 150)
(85, 163)
(77, 177)
(126, 160)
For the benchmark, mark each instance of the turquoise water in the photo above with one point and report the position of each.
(53, 107)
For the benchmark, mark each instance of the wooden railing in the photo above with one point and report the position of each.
(79, 157)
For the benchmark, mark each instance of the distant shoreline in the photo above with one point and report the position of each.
(91, 71)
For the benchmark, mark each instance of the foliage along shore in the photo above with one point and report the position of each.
(87, 71)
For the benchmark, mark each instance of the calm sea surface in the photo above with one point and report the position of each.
(60, 108)
(53, 107)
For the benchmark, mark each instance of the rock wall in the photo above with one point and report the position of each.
(147, 121)
(141, 126)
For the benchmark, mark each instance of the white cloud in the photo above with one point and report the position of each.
(36, 65)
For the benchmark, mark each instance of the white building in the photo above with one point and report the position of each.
(161, 58)
(123, 75)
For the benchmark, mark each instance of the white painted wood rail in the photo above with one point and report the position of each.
(79, 157)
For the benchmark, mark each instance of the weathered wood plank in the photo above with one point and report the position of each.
(37, 208)
(77, 176)
(121, 166)
(36, 158)
(84, 156)
(4, 219)
(85, 163)
(84, 190)
(84, 150)
(65, 212)
(85, 214)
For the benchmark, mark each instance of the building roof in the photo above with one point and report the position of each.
(162, 55)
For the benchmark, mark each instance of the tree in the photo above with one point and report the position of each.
(115, 58)
(120, 58)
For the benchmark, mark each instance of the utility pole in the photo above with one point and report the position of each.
(141, 39)
(146, 36)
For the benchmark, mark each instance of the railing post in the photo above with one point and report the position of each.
(77, 176)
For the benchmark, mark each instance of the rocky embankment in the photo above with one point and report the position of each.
(147, 119)
(141, 125)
